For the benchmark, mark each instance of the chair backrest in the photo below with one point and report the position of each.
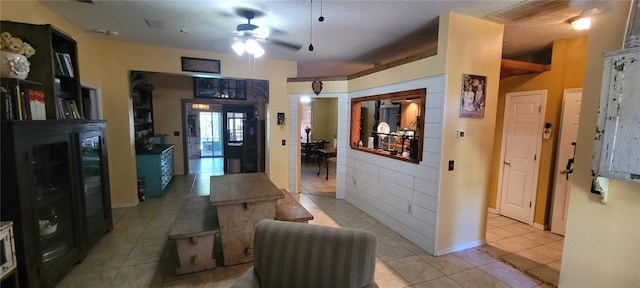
(289, 254)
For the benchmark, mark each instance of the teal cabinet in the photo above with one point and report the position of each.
(155, 167)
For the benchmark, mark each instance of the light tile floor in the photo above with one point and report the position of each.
(312, 183)
(137, 253)
(535, 252)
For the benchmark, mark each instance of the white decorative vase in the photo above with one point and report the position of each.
(14, 65)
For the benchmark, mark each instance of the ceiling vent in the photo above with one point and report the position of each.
(86, 1)
(528, 10)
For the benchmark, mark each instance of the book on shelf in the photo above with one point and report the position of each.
(68, 63)
(64, 65)
(6, 104)
(24, 105)
(68, 109)
(36, 103)
(24, 101)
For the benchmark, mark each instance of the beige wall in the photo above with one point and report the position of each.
(167, 60)
(167, 111)
(602, 242)
(567, 71)
(325, 118)
(474, 46)
(105, 65)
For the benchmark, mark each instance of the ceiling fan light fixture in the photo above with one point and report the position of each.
(238, 47)
(251, 46)
(582, 23)
(258, 52)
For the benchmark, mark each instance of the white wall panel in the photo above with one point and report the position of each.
(402, 195)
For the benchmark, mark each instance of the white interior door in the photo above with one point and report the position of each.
(568, 134)
(521, 142)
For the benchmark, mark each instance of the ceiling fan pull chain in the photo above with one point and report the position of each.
(311, 26)
(321, 17)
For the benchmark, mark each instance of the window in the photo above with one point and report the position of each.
(306, 120)
(235, 126)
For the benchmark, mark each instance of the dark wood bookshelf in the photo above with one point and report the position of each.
(47, 67)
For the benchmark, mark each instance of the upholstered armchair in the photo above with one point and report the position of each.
(294, 255)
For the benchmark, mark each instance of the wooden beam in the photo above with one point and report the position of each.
(514, 67)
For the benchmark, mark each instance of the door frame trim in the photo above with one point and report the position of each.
(294, 139)
(536, 172)
(557, 152)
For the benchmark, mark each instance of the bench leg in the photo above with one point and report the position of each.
(195, 254)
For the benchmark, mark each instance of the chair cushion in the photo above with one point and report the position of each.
(304, 255)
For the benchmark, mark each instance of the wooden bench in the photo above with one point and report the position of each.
(289, 209)
(194, 231)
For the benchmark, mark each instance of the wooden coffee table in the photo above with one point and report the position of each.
(241, 201)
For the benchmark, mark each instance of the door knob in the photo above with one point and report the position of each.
(507, 163)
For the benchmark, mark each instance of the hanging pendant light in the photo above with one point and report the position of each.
(311, 26)
(321, 18)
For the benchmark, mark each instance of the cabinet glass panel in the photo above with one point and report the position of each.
(52, 190)
(90, 154)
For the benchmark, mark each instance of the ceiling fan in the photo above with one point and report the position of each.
(248, 36)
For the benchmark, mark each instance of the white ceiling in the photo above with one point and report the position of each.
(355, 34)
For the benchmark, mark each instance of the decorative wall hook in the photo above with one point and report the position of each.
(316, 86)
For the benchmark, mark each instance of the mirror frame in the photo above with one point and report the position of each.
(354, 138)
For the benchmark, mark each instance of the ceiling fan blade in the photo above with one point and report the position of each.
(288, 45)
(246, 27)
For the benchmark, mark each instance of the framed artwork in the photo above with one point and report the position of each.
(472, 98)
(215, 88)
(200, 65)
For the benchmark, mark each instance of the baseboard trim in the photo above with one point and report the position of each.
(461, 247)
(540, 226)
(124, 205)
(492, 210)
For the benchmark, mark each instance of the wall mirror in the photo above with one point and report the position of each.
(389, 124)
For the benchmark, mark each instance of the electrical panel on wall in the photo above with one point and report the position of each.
(617, 145)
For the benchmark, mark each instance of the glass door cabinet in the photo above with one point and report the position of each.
(54, 186)
(97, 201)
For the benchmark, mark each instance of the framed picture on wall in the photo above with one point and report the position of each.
(472, 98)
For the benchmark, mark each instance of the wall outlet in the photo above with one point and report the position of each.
(284, 142)
(450, 165)
(354, 181)
(409, 208)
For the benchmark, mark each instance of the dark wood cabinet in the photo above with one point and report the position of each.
(55, 190)
(55, 65)
(94, 177)
(253, 146)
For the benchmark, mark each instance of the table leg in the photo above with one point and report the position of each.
(319, 164)
(326, 165)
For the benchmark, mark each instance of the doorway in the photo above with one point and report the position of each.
(203, 138)
(318, 130)
(210, 134)
(234, 117)
(521, 146)
(570, 120)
